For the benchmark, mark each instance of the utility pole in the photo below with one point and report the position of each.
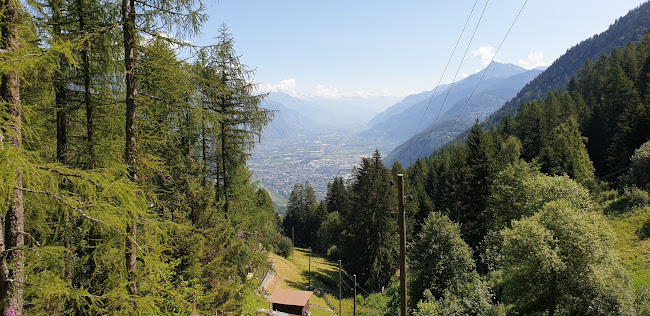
(340, 313)
(310, 268)
(402, 244)
(293, 241)
(354, 310)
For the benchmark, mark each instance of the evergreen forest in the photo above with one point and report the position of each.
(546, 213)
(123, 180)
(124, 188)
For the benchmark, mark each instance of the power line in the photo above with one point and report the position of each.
(456, 75)
(331, 153)
(486, 69)
(435, 89)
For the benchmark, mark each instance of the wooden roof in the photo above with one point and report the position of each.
(290, 297)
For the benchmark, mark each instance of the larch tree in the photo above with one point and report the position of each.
(151, 18)
(241, 118)
(12, 238)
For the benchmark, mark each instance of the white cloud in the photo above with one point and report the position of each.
(287, 86)
(333, 92)
(485, 54)
(535, 59)
(327, 92)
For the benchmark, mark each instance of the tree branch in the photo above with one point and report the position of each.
(68, 175)
(81, 212)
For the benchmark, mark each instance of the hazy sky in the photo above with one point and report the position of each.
(363, 47)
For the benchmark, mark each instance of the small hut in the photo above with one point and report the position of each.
(292, 302)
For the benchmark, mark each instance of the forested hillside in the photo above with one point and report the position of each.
(488, 97)
(123, 182)
(627, 29)
(545, 214)
(502, 82)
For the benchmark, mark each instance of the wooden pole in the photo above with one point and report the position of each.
(402, 245)
(309, 269)
(354, 309)
(340, 279)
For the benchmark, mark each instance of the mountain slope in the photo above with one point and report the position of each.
(403, 105)
(490, 96)
(340, 111)
(285, 121)
(400, 127)
(629, 28)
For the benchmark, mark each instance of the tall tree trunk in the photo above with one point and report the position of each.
(204, 149)
(224, 161)
(61, 101)
(128, 21)
(224, 168)
(61, 121)
(12, 280)
(90, 107)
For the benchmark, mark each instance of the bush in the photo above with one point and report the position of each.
(606, 196)
(644, 232)
(637, 197)
(643, 301)
(333, 253)
(283, 246)
(639, 172)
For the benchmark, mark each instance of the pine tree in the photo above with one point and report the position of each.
(481, 173)
(301, 219)
(566, 153)
(337, 196)
(369, 248)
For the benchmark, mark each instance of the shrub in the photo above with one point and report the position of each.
(333, 253)
(283, 246)
(606, 196)
(636, 197)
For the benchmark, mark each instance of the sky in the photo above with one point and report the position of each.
(343, 48)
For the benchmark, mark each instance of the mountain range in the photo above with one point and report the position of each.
(323, 112)
(627, 29)
(500, 82)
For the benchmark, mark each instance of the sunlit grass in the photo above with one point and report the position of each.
(633, 247)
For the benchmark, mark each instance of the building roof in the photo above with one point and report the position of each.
(290, 297)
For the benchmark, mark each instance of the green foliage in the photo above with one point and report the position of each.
(78, 196)
(282, 245)
(561, 260)
(520, 191)
(639, 173)
(329, 233)
(443, 277)
(369, 246)
(302, 218)
(565, 153)
(636, 197)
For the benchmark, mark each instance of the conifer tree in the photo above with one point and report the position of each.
(337, 196)
(301, 218)
(241, 119)
(370, 243)
(481, 172)
(185, 17)
(566, 153)
(12, 263)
